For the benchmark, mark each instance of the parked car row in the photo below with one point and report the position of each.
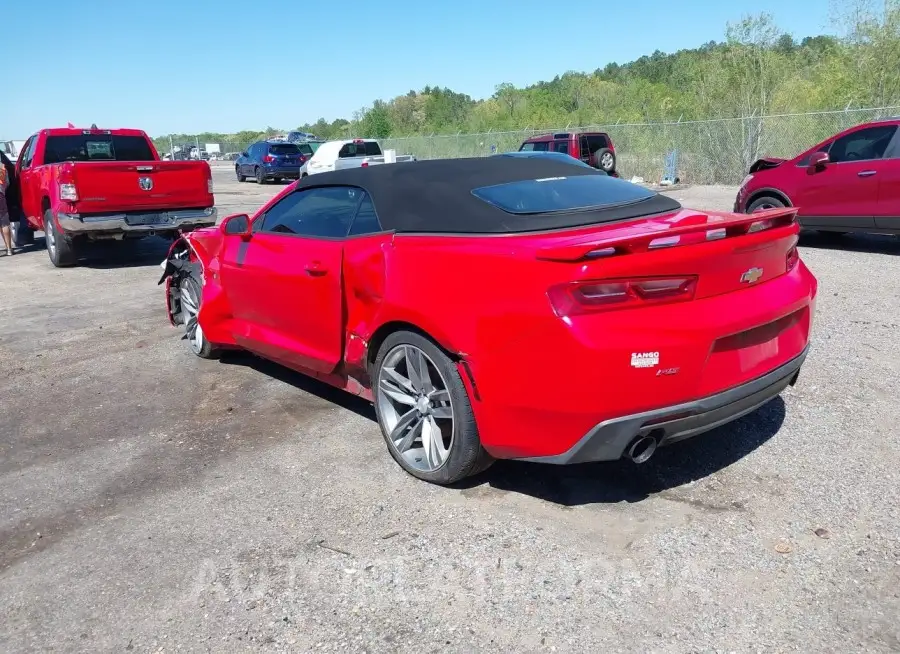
(277, 159)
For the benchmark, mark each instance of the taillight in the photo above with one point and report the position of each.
(364, 164)
(68, 192)
(576, 298)
(268, 158)
(209, 186)
(793, 258)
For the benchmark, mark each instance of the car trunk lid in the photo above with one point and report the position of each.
(691, 278)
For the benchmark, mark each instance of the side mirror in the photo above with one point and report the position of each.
(237, 225)
(818, 160)
(244, 154)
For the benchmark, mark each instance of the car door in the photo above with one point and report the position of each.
(844, 192)
(284, 283)
(29, 191)
(887, 213)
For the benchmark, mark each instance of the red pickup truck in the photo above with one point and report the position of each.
(99, 184)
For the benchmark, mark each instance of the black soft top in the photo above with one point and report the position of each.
(436, 196)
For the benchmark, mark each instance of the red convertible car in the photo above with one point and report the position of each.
(520, 308)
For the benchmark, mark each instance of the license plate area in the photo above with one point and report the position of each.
(142, 219)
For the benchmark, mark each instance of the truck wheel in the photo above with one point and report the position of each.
(191, 296)
(237, 172)
(61, 250)
(605, 160)
(260, 176)
(424, 412)
(22, 234)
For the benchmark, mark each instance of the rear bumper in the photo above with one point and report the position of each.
(292, 172)
(609, 440)
(137, 222)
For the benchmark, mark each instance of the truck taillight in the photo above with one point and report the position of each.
(575, 298)
(209, 186)
(68, 192)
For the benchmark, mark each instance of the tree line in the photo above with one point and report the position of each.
(757, 69)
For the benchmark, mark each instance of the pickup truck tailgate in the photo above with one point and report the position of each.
(140, 186)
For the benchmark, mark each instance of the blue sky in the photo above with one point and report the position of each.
(219, 65)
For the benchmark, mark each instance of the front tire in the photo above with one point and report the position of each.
(237, 173)
(765, 203)
(61, 249)
(22, 234)
(191, 296)
(424, 412)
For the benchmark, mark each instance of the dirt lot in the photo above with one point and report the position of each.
(153, 501)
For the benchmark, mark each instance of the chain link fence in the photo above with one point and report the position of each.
(706, 152)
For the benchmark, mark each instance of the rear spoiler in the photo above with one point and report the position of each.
(653, 235)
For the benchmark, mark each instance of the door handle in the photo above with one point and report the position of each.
(316, 269)
(866, 173)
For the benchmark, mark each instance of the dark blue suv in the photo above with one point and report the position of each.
(277, 160)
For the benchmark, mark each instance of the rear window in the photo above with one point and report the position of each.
(562, 194)
(304, 148)
(97, 147)
(536, 146)
(284, 148)
(597, 141)
(365, 149)
(314, 145)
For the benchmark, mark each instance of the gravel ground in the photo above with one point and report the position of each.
(151, 501)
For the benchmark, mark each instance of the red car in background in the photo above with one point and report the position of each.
(505, 307)
(848, 183)
(596, 149)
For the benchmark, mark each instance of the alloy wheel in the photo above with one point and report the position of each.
(606, 161)
(415, 408)
(50, 237)
(190, 308)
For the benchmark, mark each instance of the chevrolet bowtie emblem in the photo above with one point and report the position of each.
(751, 276)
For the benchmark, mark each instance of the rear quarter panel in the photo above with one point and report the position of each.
(541, 377)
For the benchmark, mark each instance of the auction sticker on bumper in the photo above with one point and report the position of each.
(644, 359)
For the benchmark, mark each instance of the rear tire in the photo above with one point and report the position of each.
(605, 160)
(764, 203)
(444, 398)
(191, 296)
(260, 176)
(61, 249)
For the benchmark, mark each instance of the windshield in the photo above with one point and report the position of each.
(97, 147)
(562, 194)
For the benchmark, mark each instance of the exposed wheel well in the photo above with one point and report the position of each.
(769, 193)
(45, 204)
(389, 328)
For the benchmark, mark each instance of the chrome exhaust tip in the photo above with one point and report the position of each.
(642, 448)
